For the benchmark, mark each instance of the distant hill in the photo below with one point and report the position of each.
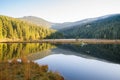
(59, 26)
(41, 22)
(16, 29)
(107, 27)
(36, 20)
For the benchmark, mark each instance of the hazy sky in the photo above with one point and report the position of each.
(59, 10)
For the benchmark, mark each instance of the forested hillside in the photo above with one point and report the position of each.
(15, 29)
(106, 27)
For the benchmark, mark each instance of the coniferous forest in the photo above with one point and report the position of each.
(15, 29)
(107, 27)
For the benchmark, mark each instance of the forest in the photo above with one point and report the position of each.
(20, 30)
(15, 29)
(103, 28)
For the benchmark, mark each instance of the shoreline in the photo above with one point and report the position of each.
(88, 41)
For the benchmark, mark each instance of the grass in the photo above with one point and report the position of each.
(26, 70)
(88, 41)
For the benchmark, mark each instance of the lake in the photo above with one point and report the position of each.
(72, 61)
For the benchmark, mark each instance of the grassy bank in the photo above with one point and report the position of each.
(26, 70)
(88, 41)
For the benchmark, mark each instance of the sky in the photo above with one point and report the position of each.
(59, 10)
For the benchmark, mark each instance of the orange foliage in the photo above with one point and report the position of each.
(26, 70)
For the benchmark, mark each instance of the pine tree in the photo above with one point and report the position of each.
(1, 26)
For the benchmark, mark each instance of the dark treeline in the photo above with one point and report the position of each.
(56, 35)
(15, 29)
(103, 28)
(18, 50)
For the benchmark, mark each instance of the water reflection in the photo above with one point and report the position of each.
(78, 68)
(109, 52)
(73, 61)
(18, 50)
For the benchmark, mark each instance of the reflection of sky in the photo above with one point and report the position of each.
(77, 68)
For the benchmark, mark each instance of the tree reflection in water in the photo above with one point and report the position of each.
(18, 50)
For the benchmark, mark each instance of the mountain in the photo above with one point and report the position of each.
(59, 26)
(41, 22)
(36, 20)
(16, 29)
(105, 27)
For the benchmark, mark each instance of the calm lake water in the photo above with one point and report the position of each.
(73, 61)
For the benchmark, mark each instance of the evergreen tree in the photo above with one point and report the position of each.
(1, 26)
(11, 28)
